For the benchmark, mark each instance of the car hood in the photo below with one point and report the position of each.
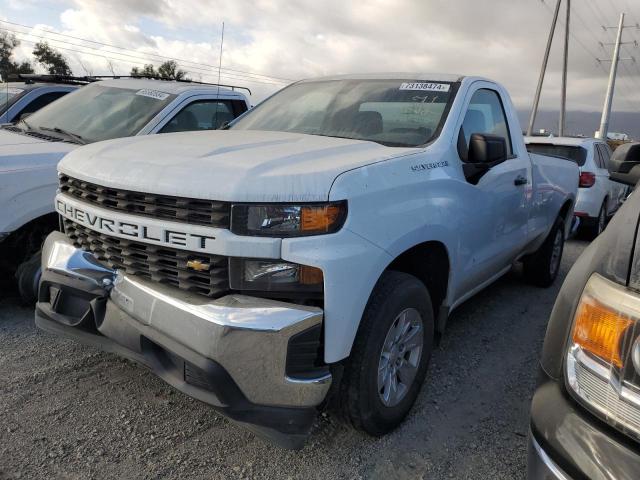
(21, 152)
(241, 166)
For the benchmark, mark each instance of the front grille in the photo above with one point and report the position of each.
(158, 263)
(211, 213)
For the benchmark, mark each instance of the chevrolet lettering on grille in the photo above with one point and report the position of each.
(98, 221)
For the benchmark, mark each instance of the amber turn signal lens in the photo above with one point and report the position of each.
(599, 330)
(320, 218)
(310, 275)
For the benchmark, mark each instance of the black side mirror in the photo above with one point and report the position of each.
(485, 148)
(624, 165)
(485, 151)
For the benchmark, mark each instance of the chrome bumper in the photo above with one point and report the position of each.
(248, 337)
(539, 464)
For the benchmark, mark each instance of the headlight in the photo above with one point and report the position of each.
(280, 220)
(274, 276)
(603, 358)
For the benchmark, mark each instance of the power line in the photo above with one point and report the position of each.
(140, 58)
(103, 54)
(191, 72)
(51, 32)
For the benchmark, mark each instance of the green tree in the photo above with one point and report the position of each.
(146, 71)
(8, 44)
(52, 60)
(168, 70)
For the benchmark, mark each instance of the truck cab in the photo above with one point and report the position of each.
(104, 109)
(311, 253)
(21, 99)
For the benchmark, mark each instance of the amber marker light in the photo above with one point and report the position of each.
(599, 329)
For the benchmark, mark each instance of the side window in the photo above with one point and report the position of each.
(486, 115)
(599, 157)
(41, 101)
(606, 155)
(201, 115)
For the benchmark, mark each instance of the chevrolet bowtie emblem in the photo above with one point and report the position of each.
(197, 265)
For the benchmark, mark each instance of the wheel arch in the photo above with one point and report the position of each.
(21, 242)
(430, 263)
(566, 213)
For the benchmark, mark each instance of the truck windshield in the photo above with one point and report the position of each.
(397, 113)
(98, 112)
(8, 95)
(567, 152)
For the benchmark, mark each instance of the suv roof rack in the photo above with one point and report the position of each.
(149, 77)
(51, 78)
(71, 80)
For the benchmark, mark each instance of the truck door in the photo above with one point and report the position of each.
(498, 201)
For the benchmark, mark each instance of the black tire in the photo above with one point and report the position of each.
(28, 276)
(360, 399)
(541, 268)
(598, 227)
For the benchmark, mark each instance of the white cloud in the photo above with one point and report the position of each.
(501, 39)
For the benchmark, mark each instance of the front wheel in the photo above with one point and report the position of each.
(390, 355)
(28, 276)
(541, 268)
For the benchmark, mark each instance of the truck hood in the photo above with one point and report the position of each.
(241, 166)
(22, 152)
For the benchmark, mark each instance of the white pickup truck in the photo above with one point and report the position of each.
(107, 109)
(311, 253)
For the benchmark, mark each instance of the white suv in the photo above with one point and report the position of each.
(598, 196)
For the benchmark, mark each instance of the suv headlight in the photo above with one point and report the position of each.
(282, 220)
(603, 358)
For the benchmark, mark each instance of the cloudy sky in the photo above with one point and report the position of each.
(268, 43)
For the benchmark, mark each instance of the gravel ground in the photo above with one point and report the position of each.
(70, 412)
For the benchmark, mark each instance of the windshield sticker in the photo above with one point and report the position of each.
(426, 87)
(147, 92)
(14, 91)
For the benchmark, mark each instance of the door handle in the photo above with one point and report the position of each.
(520, 180)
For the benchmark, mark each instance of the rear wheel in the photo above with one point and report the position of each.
(596, 226)
(541, 268)
(390, 355)
(601, 222)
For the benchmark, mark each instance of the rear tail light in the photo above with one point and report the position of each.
(587, 179)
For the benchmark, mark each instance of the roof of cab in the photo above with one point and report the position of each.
(32, 86)
(568, 141)
(429, 77)
(167, 86)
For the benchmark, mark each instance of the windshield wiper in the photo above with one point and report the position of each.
(73, 136)
(23, 121)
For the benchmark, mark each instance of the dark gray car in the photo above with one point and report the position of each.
(585, 413)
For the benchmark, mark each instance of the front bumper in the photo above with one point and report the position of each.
(539, 464)
(568, 442)
(230, 353)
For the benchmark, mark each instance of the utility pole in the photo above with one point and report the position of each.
(608, 100)
(565, 61)
(543, 69)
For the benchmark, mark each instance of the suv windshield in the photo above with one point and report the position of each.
(567, 152)
(399, 113)
(97, 112)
